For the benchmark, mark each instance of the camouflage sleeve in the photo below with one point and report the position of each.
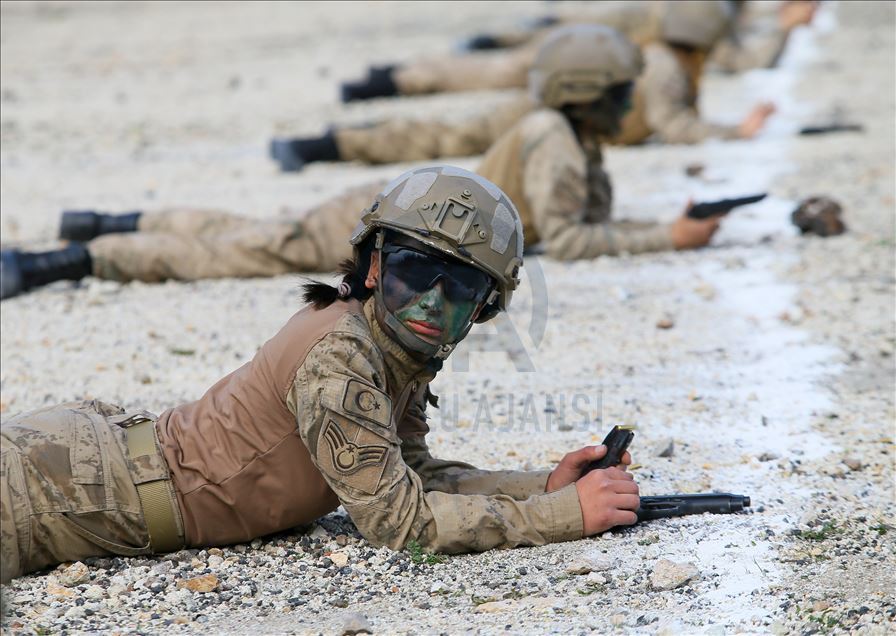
(751, 50)
(344, 417)
(668, 105)
(399, 140)
(556, 185)
(459, 477)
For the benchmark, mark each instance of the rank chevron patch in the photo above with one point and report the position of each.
(347, 456)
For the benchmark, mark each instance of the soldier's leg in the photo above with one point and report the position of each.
(391, 141)
(85, 225)
(68, 488)
(257, 250)
(193, 221)
(470, 72)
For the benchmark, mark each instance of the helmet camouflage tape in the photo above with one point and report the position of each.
(456, 212)
(577, 63)
(696, 23)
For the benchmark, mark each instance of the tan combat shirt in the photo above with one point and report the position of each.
(330, 411)
(562, 192)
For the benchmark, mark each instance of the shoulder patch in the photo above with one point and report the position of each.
(362, 402)
(367, 402)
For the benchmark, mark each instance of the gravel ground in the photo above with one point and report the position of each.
(765, 361)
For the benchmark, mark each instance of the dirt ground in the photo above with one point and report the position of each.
(767, 358)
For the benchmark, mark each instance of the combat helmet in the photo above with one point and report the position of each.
(577, 63)
(458, 213)
(696, 23)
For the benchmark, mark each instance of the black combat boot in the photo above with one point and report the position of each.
(21, 271)
(293, 154)
(481, 42)
(78, 225)
(379, 83)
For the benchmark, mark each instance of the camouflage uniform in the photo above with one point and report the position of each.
(509, 68)
(562, 192)
(189, 244)
(758, 42)
(68, 486)
(330, 403)
(665, 101)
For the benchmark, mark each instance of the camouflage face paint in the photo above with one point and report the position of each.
(429, 314)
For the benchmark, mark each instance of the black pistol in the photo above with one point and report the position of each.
(831, 128)
(616, 441)
(719, 503)
(722, 206)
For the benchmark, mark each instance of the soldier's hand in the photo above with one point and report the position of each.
(796, 13)
(608, 498)
(755, 120)
(571, 466)
(688, 233)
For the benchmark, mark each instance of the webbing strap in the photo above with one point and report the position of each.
(155, 496)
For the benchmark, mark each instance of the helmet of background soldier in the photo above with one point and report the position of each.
(458, 213)
(696, 23)
(577, 63)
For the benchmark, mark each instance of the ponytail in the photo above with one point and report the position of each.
(354, 273)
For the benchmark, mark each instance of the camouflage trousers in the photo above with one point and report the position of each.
(491, 70)
(400, 139)
(194, 244)
(68, 487)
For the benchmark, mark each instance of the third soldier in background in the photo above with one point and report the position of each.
(676, 38)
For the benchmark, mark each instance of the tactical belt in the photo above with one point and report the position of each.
(156, 497)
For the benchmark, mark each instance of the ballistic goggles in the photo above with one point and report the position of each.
(621, 95)
(420, 272)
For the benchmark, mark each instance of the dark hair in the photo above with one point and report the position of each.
(684, 48)
(354, 273)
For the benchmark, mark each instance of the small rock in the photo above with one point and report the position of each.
(694, 169)
(215, 561)
(820, 606)
(617, 620)
(116, 590)
(216, 552)
(75, 574)
(596, 578)
(853, 463)
(341, 540)
(319, 533)
(355, 623)
(589, 563)
(54, 589)
(668, 575)
(94, 592)
(204, 583)
(74, 612)
(437, 588)
(493, 607)
(339, 559)
(665, 323)
(769, 457)
(664, 448)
